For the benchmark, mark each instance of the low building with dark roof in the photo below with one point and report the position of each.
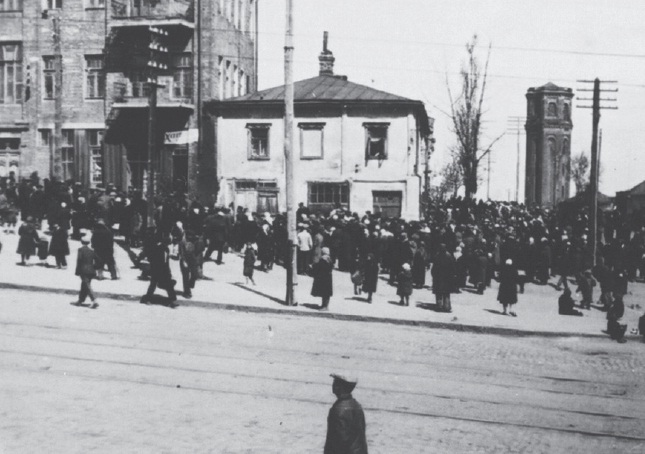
(355, 147)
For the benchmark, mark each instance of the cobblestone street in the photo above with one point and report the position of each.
(135, 378)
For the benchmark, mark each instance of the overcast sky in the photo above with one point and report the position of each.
(407, 47)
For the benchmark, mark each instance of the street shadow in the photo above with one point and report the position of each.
(315, 307)
(395, 303)
(470, 290)
(158, 300)
(430, 307)
(494, 311)
(82, 305)
(258, 292)
(357, 298)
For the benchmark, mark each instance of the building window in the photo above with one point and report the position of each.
(376, 140)
(95, 77)
(44, 137)
(49, 76)
(52, 4)
(182, 83)
(10, 73)
(89, 4)
(220, 78)
(234, 84)
(95, 142)
(246, 185)
(10, 5)
(242, 18)
(311, 140)
(552, 110)
(258, 141)
(138, 85)
(328, 195)
(243, 85)
(566, 112)
(9, 157)
(67, 154)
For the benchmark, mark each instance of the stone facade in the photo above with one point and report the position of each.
(104, 48)
(548, 145)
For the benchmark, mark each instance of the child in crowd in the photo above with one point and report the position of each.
(404, 284)
(249, 262)
(566, 304)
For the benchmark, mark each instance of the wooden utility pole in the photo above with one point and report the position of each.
(595, 161)
(56, 169)
(291, 265)
(158, 62)
(152, 123)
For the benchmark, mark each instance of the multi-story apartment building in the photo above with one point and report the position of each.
(91, 124)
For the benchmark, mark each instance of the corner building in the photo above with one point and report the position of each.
(548, 145)
(103, 106)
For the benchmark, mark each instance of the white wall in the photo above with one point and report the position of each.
(343, 159)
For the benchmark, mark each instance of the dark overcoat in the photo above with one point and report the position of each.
(508, 280)
(323, 285)
(443, 274)
(404, 283)
(85, 261)
(28, 239)
(346, 427)
(370, 276)
(59, 245)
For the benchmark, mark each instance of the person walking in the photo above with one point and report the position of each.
(508, 281)
(323, 282)
(370, 276)
(346, 420)
(404, 284)
(103, 244)
(86, 260)
(188, 262)
(160, 275)
(249, 263)
(28, 240)
(419, 265)
(59, 246)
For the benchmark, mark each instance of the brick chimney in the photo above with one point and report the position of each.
(326, 59)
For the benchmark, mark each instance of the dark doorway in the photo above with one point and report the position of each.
(388, 203)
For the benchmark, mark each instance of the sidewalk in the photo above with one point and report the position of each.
(537, 308)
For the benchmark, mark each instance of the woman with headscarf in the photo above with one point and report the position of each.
(28, 240)
(508, 281)
(323, 285)
(404, 284)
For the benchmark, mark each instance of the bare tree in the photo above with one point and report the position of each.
(580, 171)
(451, 178)
(466, 114)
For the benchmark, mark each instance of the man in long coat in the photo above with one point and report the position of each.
(443, 278)
(323, 284)
(216, 231)
(346, 420)
(103, 244)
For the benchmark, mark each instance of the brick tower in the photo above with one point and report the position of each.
(548, 145)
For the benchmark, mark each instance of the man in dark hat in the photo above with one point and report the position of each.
(86, 270)
(346, 420)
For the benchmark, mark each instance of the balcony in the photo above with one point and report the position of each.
(133, 93)
(140, 13)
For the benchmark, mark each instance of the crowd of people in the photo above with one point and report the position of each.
(465, 243)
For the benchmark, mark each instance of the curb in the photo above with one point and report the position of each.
(344, 317)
